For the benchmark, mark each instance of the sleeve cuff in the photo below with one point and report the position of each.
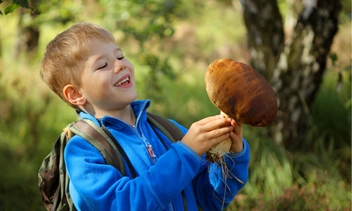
(188, 149)
(239, 154)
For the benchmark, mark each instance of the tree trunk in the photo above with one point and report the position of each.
(265, 34)
(27, 37)
(294, 68)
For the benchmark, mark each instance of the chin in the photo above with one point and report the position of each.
(133, 97)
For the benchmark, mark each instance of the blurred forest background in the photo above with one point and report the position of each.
(302, 47)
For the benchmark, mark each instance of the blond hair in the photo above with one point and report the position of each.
(65, 54)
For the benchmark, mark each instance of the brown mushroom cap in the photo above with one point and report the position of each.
(241, 92)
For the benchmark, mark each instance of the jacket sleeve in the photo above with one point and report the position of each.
(97, 186)
(217, 184)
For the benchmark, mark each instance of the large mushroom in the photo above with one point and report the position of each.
(241, 93)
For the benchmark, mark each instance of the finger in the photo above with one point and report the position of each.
(219, 132)
(234, 137)
(218, 123)
(236, 125)
(237, 128)
(208, 119)
(221, 138)
(237, 143)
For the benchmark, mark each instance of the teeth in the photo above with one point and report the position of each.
(123, 81)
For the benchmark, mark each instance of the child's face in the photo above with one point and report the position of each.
(108, 81)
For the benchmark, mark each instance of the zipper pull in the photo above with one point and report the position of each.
(150, 150)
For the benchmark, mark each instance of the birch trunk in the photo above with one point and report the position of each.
(293, 61)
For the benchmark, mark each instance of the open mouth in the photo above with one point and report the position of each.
(123, 81)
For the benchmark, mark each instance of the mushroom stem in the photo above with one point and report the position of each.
(220, 149)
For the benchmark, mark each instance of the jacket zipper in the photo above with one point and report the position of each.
(148, 146)
(151, 153)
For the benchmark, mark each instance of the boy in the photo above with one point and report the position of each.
(85, 68)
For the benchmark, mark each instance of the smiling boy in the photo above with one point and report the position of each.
(86, 69)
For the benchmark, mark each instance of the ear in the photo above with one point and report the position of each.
(73, 95)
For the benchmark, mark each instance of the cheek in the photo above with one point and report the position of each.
(133, 74)
(96, 83)
(130, 66)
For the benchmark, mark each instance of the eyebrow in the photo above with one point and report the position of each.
(117, 49)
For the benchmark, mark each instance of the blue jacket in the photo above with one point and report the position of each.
(160, 181)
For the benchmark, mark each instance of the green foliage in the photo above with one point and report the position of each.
(65, 12)
(28, 126)
(319, 193)
(14, 5)
(270, 169)
(331, 108)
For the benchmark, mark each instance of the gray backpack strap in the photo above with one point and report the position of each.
(170, 130)
(96, 136)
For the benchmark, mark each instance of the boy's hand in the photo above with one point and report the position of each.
(236, 136)
(206, 133)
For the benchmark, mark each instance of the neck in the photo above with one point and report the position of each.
(126, 114)
(132, 117)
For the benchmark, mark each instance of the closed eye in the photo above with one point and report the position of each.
(121, 57)
(106, 64)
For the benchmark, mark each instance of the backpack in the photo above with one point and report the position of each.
(53, 179)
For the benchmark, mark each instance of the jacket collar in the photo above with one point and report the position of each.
(139, 107)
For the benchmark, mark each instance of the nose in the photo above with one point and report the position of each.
(119, 66)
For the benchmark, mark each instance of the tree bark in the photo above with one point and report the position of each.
(265, 34)
(27, 37)
(294, 67)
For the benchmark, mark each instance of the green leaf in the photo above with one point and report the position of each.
(333, 57)
(22, 3)
(1, 11)
(10, 8)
